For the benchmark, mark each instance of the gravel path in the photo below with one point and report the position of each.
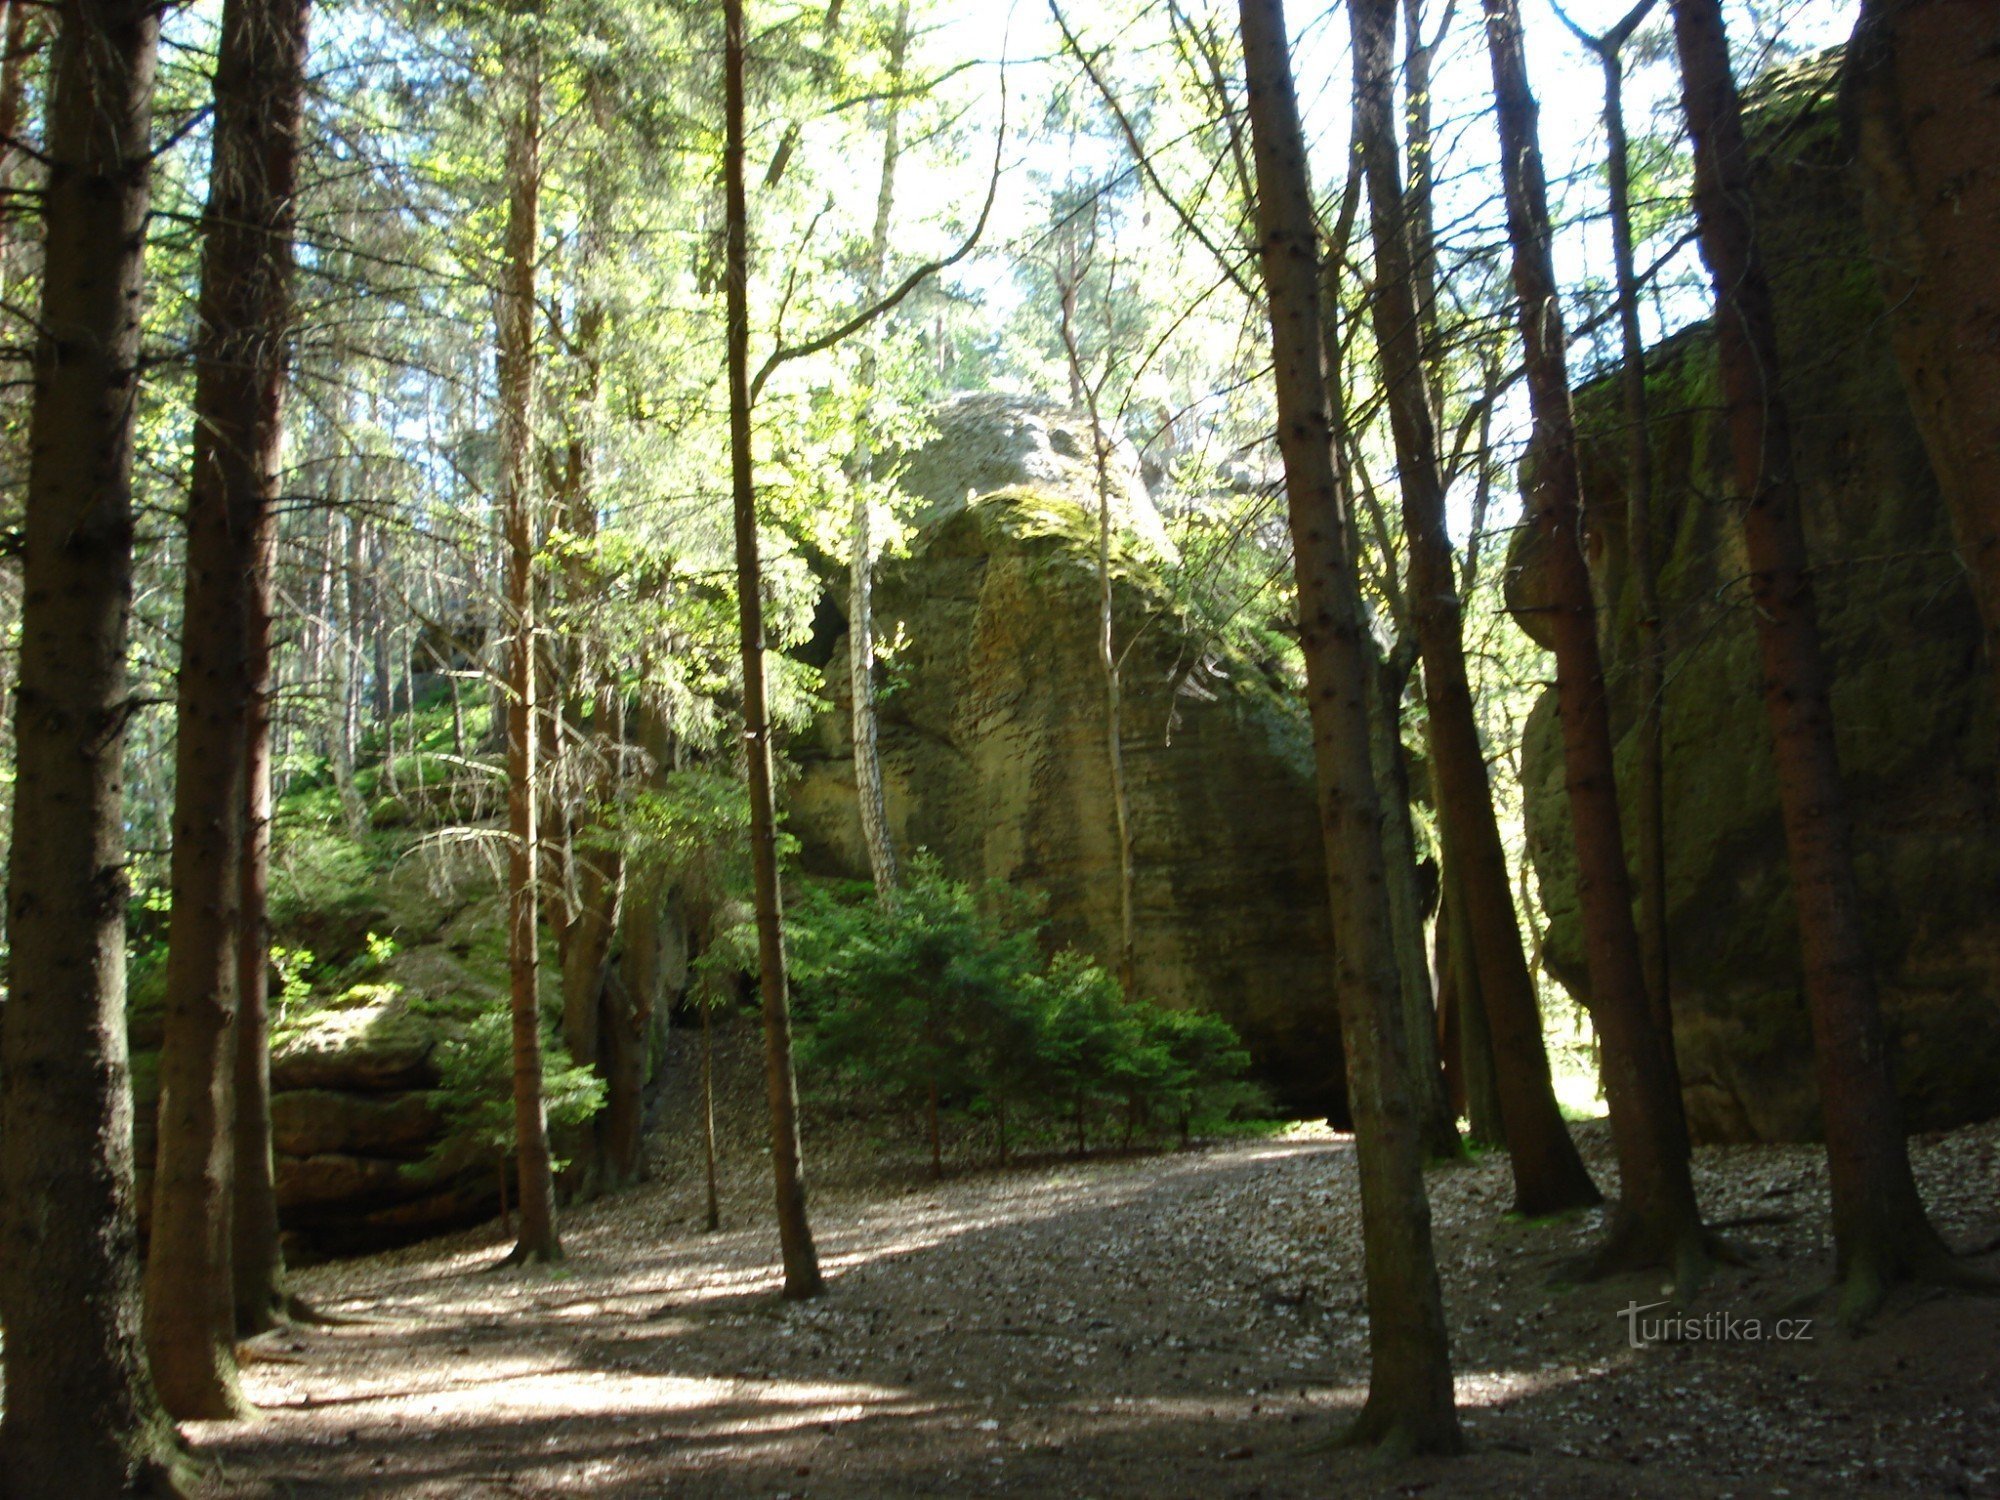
(1181, 1324)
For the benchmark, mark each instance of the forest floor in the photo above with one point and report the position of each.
(1188, 1323)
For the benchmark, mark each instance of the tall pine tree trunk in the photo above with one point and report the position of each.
(1548, 1173)
(1409, 1407)
(1923, 93)
(516, 307)
(801, 1260)
(1657, 1221)
(245, 317)
(81, 1416)
(1880, 1230)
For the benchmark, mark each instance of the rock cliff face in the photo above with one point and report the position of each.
(994, 754)
(356, 1133)
(1912, 699)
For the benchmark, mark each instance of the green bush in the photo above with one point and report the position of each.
(941, 1000)
(475, 1092)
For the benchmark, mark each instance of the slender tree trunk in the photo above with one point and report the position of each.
(1409, 1407)
(1880, 1230)
(245, 318)
(934, 1128)
(1420, 192)
(641, 970)
(1648, 790)
(1388, 674)
(1657, 1220)
(1473, 1040)
(381, 638)
(801, 1260)
(19, 42)
(1924, 97)
(257, 1257)
(516, 306)
(593, 1026)
(1548, 1173)
(353, 636)
(1114, 705)
(339, 656)
(708, 1110)
(861, 566)
(1649, 794)
(81, 1416)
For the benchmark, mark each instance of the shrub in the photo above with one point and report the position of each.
(475, 1092)
(941, 1000)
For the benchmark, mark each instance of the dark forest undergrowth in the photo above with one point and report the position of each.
(1182, 1324)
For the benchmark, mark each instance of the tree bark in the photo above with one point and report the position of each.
(1389, 672)
(1657, 1221)
(713, 1219)
(516, 309)
(641, 980)
(1409, 1407)
(240, 366)
(1389, 676)
(19, 42)
(1549, 1175)
(1923, 94)
(1472, 1041)
(257, 1253)
(1881, 1233)
(81, 1415)
(801, 1260)
(861, 566)
(1648, 789)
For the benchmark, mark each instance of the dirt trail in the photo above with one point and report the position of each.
(1185, 1324)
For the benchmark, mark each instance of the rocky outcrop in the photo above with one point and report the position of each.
(1912, 700)
(994, 757)
(361, 1151)
(987, 441)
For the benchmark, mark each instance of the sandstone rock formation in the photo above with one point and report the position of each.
(357, 1135)
(1914, 704)
(994, 757)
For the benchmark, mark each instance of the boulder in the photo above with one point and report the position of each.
(383, 1047)
(994, 760)
(1913, 706)
(313, 1122)
(988, 441)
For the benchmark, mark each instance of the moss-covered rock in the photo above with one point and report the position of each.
(407, 953)
(1914, 711)
(994, 759)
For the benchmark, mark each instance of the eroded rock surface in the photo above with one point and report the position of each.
(1912, 699)
(995, 759)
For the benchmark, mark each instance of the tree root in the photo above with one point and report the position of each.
(1690, 1252)
(1863, 1286)
(524, 1255)
(1754, 1221)
(1393, 1437)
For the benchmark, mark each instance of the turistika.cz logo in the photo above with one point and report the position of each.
(1709, 1327)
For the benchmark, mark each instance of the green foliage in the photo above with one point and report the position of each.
(294, 992)
(320, 874)
(475, 1086)
(944, 994)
